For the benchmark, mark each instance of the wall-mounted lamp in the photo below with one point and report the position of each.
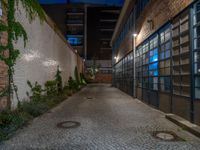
(151, 24)
(116, 58)
(135, 35)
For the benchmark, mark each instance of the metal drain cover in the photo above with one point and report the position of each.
(166, 136)
(89, 97)
(68, 124)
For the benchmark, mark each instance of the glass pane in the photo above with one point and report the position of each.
(198, 7)
(197, 31)
(197, 18)
(167, 54)
(197, 93)
(153, 66)
(162, 38)
(162, 55)
(197, 43)
(167, 35)
(154, 58)
(197, 68)
(197, 57)
(167, 46)
(197, 81)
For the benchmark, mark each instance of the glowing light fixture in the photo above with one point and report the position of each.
(135, 34)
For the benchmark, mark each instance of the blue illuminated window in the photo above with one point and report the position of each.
(154, 55)
(74, 41)
(153, 66)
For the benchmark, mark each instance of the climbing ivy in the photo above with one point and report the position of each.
(15, 31)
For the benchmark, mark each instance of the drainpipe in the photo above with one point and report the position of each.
(134, 36)
(85, 32)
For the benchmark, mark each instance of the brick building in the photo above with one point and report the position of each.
(155, 44)
(3, 67)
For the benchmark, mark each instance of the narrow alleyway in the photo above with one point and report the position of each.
(110, 120)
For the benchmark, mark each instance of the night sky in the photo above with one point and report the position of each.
(102, 2)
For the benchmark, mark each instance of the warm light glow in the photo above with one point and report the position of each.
(50, 62)
(31, 55)
(135, 35)
(116, 58)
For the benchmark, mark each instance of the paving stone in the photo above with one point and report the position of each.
(111, 120)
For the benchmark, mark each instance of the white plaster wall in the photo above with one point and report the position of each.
(39, 59)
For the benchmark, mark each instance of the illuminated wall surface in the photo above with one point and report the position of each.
(102, 2)
(39, 59)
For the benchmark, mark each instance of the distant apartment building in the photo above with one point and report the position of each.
(75, 27)
(89, 29)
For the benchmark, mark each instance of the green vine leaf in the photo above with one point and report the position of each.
(3, 48)
(33, 9)
(15, 31)
(3, 27)
(19, 32)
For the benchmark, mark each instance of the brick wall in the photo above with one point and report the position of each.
(3, 67)
(100, 78)
(104, 78)
(160, 12)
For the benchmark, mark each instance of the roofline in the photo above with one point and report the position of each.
(121, 18)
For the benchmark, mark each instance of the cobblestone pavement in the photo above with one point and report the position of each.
(111, 120)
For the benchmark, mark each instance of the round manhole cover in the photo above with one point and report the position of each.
(68, 124)
(166, 136)
(89, 97)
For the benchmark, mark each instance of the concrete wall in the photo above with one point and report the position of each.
(45, 50)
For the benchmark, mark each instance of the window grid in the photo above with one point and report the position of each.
(196, 49)
(165, 60)
(153, 63)
(181, 55)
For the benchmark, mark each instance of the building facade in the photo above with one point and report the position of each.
(75, 31)
(101, 24)
(155, 54)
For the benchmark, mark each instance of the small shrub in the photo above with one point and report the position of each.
(51, 87)
(73, 85)
(34, 108)
(82, 79)
(59, 80)
(76, 75)
(36, 90)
